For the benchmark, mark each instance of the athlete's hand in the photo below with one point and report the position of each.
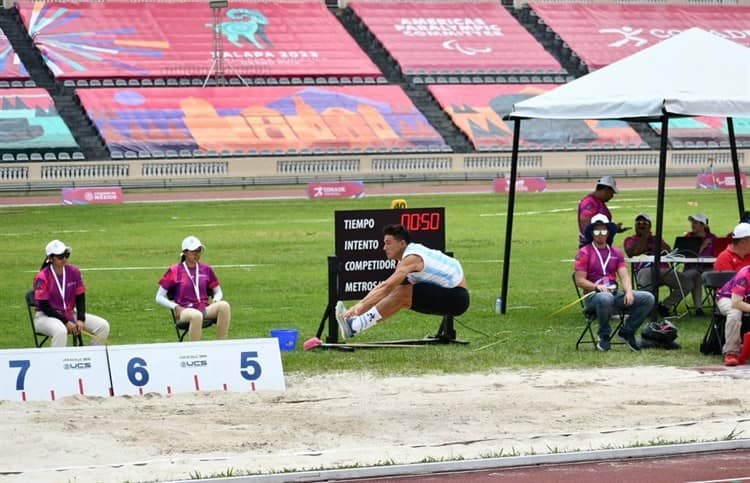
(72, 327)
(353, 311)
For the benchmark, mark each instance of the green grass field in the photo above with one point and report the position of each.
(276, 252)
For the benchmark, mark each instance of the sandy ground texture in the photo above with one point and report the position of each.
(336, 420)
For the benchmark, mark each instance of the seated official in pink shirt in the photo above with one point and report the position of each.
(185, 287)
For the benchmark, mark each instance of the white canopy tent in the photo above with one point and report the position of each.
(695, 73)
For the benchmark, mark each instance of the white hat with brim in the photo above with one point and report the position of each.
(599, 220)
(608, 181)
(56, 247)
(741, 231)
(699, 217)
(191, 243)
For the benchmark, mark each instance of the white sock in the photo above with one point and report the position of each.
(366, 320)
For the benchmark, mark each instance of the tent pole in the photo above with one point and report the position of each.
(509, 218)
(735, 166)
(655, 268)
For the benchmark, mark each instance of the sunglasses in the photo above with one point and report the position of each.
(62, 255)
(600, 232)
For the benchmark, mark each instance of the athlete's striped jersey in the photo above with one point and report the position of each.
(439, 269)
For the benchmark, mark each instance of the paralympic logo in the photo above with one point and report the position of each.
(454, 45)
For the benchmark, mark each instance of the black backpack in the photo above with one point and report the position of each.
(659, 335)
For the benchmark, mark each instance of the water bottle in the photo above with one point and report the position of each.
(499, 305)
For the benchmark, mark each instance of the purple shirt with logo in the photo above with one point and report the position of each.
(179, 284)
(46, 288)
(737, 285)
(589, 206)
(588, 261)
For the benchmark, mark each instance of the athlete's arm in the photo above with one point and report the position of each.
(411, 263)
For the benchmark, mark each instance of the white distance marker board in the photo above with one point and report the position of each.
(223, 365)
(48, 374)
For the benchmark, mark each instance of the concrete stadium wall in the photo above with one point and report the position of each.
(38, 176)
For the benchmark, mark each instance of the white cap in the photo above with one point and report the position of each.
(600, 219)
(741, 231)
(699, 217)
(56, 247)
(644, 216)
(607, 181)
(191, 243)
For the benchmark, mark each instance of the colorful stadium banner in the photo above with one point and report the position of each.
(702, 129)
(602, 33)
(175, 39)
(478, 111)
(91, 196)
(30, 122)
(336, 189)
(719, 181)
(526, 184)
(10, 65)
(258, 120)
(454, 37)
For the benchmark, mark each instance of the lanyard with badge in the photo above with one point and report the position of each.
(604, 263)
(60, 286)
(195, 282)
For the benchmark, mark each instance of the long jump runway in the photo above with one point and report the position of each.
(729, 466)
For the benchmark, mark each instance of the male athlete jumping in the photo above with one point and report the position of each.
(425, 280)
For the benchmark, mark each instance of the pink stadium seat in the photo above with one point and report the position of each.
(31, 122)
(121, 39)
(250, 119)
(478, 111)
(453, 37)
(10, 66)
(602, 33)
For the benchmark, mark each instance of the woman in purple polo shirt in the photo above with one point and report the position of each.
(60, 297)
(185, 287)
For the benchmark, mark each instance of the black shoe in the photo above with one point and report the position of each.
(663, 310)
(699, 313)
(629, 340)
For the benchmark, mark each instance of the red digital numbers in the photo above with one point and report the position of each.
(427, 221)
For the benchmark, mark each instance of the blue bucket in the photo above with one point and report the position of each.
(287, 338)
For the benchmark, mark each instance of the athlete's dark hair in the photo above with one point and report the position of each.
(398, 232)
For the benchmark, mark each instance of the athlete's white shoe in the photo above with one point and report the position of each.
(346, 328)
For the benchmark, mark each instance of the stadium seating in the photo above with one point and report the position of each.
(121, 39)
(478, 111)
(257, 120)
(29, 123)
(704, 132)
(10, 67)
(427, 38)
(602, 33)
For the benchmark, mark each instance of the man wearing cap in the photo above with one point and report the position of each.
(699, 229)
(597, 267)
(595, 204)
(644, 243)
(60, 296)
(185, 287)
(737, 254)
